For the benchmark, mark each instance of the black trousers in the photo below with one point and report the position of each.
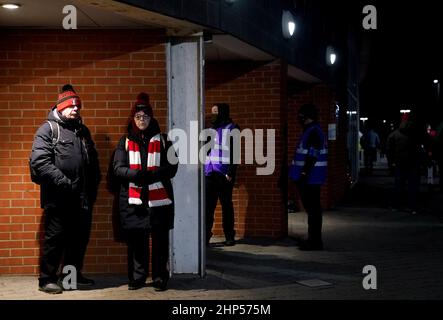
(137, 241)
(218, 187)
(310, 197)
(67, 232)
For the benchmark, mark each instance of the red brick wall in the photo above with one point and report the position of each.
(323, 97)
(108, 69)
(254, 93)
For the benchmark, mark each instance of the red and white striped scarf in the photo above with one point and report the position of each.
(157, 193)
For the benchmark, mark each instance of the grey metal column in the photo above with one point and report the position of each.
(186, 105)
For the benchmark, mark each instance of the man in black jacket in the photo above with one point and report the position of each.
(66, 163)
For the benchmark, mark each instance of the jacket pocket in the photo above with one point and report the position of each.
(65, 149)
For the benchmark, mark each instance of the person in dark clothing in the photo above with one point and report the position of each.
(65, 161)
(404, 153)
(220, 173)
(370, 142)
(308, 169)
(146, 198)
(438, 152)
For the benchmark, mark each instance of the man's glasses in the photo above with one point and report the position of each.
(140, 117)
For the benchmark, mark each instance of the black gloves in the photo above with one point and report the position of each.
(64, 184)
(143, 178)
(303, 178)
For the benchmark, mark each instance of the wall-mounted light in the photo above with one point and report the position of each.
(364, 119)
(287, 24)
(351, 112)
(331, 56)
(436, 81)
(405, 111)
(11, 6)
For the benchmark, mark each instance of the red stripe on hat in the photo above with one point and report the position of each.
(66, 94)
(68, 102)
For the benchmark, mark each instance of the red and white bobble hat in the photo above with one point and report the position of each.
(68, 98)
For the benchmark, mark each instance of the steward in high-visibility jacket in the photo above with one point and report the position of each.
(219, 159)
(311, 156)
(308, 169)
(220, 172)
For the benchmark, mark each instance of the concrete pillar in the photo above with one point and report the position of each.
(186, 112)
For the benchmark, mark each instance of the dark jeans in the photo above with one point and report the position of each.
(370, 155)
(218, 187)
(138, 253)
(310, 198)
(67, 232)
(406, 176)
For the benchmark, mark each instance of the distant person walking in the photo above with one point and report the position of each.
(430, 141)
(439, 153)
(370, 142)
(403, 151)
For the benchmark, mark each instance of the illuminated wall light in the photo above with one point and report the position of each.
(364, 119)
(331, 56)
(405, 111)
(10, 6)
(288, 24)
(436, 81)
(291, 27)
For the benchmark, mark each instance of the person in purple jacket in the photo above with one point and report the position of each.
(220, 172)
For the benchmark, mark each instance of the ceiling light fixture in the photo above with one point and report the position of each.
(11, 6)
(331, 56)
(288, 24)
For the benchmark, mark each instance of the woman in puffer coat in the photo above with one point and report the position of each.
(146, 199)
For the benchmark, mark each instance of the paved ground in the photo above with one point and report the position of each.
(405, 249)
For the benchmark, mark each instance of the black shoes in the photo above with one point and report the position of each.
(52, 288)
(160, 284)
(84, 282)
(136, 284)
(229, 242)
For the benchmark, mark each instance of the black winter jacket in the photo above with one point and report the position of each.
(70, 172)
(141, 216)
